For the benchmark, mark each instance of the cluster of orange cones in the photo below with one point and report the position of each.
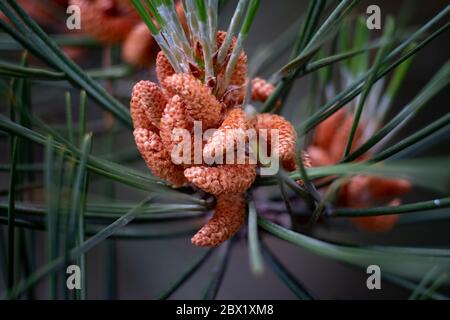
(182, 99)
(328, 147)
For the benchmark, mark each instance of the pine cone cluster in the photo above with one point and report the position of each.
(175, 104)
(360, 191)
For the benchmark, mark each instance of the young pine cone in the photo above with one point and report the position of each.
(261, 89)
(226, 137)
(149, 98)
(183, 99)
(157, 158)
(286, 133)
(201, 104)
(175, 117)
(149, 142)
(163, 70)
(228, 217)
(223, 179)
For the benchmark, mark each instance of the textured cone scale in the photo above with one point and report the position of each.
(138, 46)
(151, 99)
(174, 117)
(201, 104)
(228, 217)
(163, 68)
(222, 179)
(157, 158)
(226, 137)
(261, 89)
(286, 133)
(107, 21)
(138, 115)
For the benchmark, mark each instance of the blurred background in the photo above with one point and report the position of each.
(144, 268)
